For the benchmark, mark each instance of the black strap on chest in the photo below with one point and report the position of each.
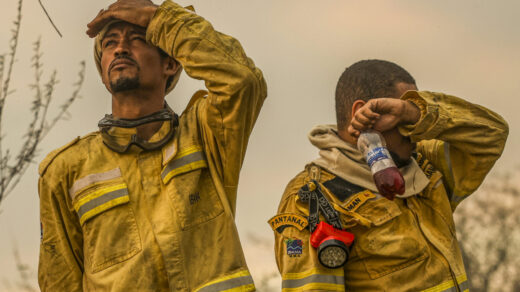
(108, 121)
(312, 194)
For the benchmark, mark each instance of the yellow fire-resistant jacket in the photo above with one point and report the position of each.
(405, 244)
(158, 220)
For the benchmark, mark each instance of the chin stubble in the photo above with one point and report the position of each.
(124, 84)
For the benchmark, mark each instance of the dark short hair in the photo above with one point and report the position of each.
(170, 79)
(365, 80)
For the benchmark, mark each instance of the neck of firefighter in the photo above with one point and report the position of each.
(137, 103)
(347, 137)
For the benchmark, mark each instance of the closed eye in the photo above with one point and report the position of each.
(108, 43)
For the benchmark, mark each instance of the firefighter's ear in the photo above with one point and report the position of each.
(356, 106)
(171, 66)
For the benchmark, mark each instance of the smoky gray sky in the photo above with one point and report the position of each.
(468, 48)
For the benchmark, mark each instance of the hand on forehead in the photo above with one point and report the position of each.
(138, 12)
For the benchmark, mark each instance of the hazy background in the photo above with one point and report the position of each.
(469, 48)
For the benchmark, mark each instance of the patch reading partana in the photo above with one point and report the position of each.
(281, 221)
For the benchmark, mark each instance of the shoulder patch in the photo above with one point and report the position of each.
(341, 188)
(50, 157)
(282, 221)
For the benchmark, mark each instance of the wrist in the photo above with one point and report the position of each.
(150, 10)
(412, 113)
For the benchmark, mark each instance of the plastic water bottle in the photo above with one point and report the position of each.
(387, 177)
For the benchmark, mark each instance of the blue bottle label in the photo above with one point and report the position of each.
(376, 154)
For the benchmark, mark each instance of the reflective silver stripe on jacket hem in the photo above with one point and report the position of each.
(101, 200)
(196, 156)
(92, 179)
(228, 284)
(463, 286)
(315, 278)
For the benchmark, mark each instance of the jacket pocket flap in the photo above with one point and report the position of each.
(379, 211)
(186, 160)
(100, 199)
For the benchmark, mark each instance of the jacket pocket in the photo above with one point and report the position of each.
(392, 243)
(110, 233)
(191, 189)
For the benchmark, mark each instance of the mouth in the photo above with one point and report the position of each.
(121, 63)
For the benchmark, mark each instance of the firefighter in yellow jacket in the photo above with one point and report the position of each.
(444, 147)
(147, 202)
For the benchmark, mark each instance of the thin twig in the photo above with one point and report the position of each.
(2, 67)
(33, 132)
(52, 22)
(24, 272)
(12, 168)
(29, 151)
(65, 106)
(13, 44)
(12, 53)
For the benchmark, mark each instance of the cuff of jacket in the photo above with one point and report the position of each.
(431, 122)
(176, 15)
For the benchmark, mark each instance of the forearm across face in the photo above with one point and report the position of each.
(461, 139)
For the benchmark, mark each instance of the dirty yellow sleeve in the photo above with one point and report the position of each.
(461, 139)
(236, 87)
(61, 248)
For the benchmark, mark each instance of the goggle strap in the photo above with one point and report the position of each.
(139, 142)
(162, 115)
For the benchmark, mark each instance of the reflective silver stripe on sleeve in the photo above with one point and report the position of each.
(196, 156)
(101, 200)
(315, 278)
(93, 178)
(228, 284)
(169, 152)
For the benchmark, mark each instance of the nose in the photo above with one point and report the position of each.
(122, 47)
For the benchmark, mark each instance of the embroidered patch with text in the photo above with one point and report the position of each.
(359, 199)
(294, 247)
(281, 221)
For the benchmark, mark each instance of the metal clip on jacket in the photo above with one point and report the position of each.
(331, 241)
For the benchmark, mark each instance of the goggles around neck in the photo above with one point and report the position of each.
(121, 144)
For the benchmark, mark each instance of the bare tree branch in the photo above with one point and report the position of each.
(13, 45)
(12, 169)
(65, 106)
(24, 271)
(487, 227)
(50, 19)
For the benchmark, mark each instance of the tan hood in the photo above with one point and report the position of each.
(345, 161)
